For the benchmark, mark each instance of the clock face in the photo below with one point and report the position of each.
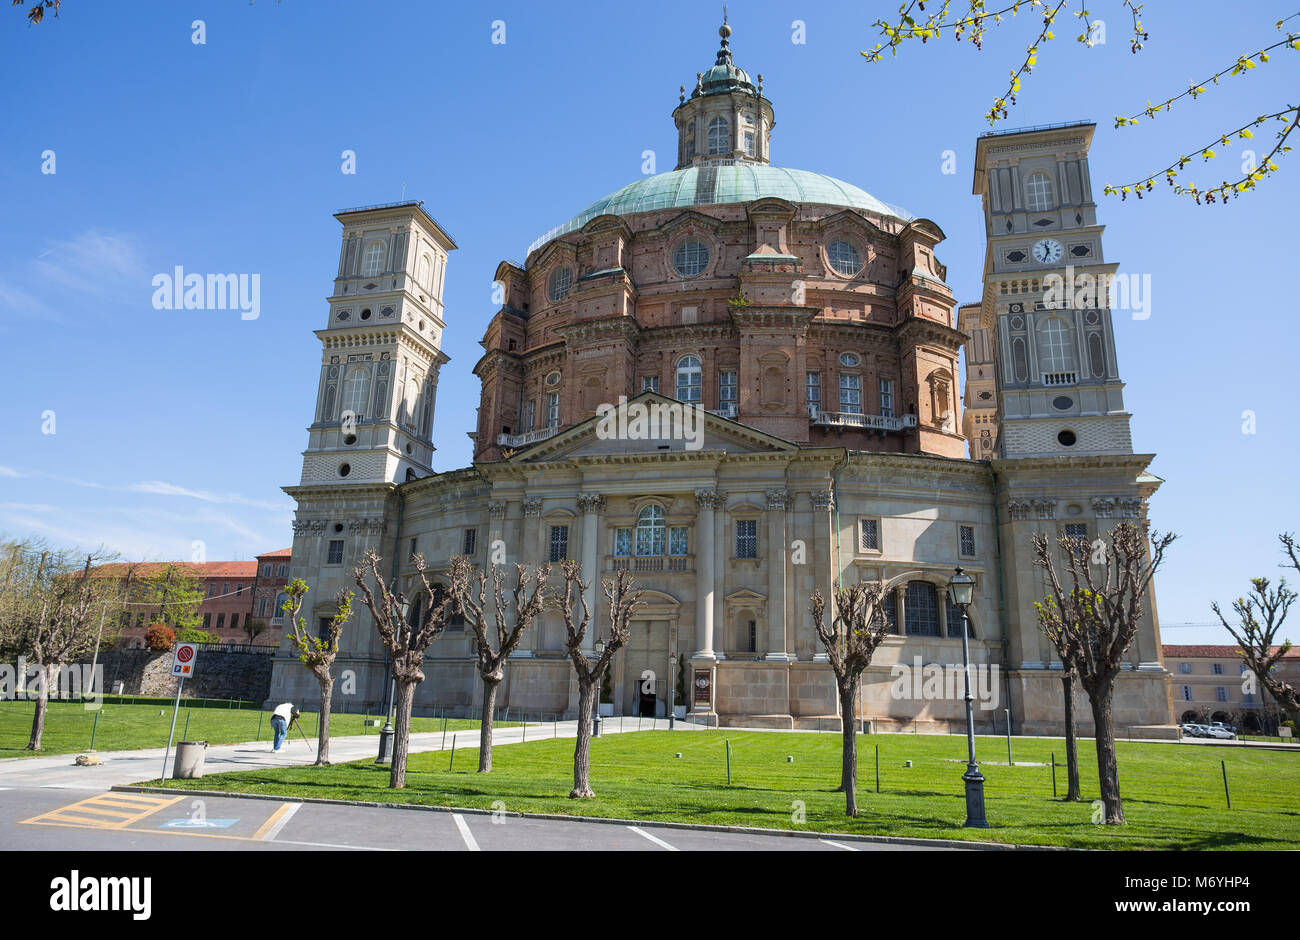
(1048, 251)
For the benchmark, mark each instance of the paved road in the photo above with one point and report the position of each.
(50, 803)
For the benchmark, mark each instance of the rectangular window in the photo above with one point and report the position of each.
(813, 391)
(1077, 531)
(851, 394)
(746, 538)
(553, 410)
(1221, 693)
(221, 621)
(469, 542)
(1218, 669)
(212, 588)
(887, 398)
(1185, 668)
(678, 544)
(649, 383)
(261, 607)
(622, 543)
(559, 542)
(749, 143)
(225, 588)
(239, 590)
(207, 621)
(335, 555)
(414, 548)
(234, 621)
(282, 571)
(530, 415)
(966, 536)
(266, 571)
(727, 393)
(1187, 693)
(869, 535)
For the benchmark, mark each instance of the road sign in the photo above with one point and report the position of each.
(184, 659)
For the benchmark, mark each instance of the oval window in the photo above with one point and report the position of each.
(1062, 402)
(691, 258)
(849, 359)
(844, 258)
(344, 469)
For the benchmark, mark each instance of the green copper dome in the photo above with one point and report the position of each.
(718, 185)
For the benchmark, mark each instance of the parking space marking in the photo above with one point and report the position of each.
(465, 834)
(657, 841)
(271, 828)
(104, 811)
(839, 845)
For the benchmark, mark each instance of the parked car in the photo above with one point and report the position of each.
(1192, 730)
(1221, 732)
(1225, 725)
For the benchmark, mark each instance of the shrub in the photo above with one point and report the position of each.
(197, 636)
(159, 636)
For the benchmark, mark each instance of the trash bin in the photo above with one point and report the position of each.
(189, 760)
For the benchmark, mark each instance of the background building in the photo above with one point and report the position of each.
(1209, 683)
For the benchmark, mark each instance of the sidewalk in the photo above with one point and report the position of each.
(123, 767)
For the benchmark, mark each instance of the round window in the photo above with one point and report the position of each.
(691, 258)
(349, 438)
(1062, 402)
(345, 469)
(365, 314)
(560, 283)
(1066, 438)
(844, 258)
(849, 359)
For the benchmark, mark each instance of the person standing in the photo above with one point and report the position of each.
(283, 716)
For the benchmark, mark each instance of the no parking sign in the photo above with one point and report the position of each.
(184, 659)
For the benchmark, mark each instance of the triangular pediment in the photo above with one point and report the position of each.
(652, 424)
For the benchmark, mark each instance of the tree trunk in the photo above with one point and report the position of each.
(582, 750)
(38, 716)
(323, 737)
(1071, 740)
(849, 760)
(401, 732)
(490, 687)
(1107, 766)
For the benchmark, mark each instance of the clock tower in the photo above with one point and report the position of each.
(1045, 306)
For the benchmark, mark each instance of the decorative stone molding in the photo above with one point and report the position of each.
(709, 499)
(533, 506)
(1045, 508)
(1131, 507)
(308, 526)
(1103, 506)
(823, 500)
(497, 509)
(590, 502)
(1019, 509)
(780, 499)
(368, 526)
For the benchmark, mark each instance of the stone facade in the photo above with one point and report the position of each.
(731, 300)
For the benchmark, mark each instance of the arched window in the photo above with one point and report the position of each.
(719, 136)
(650, 531)
(356, 391)
(1038, 192)
(1055, 349)
(410, 403)
(691, 257)
(688, 379)
(954, 620)
(425, 268)
(373, 259)
(921, 609)
(278, 614)
(690, 140)
(561, 281)
(844, 258)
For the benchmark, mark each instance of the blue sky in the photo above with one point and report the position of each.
(179, 426)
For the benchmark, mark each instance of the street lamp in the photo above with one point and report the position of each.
(403, 610)
(595, 711)
(672, 689)
(960, 588)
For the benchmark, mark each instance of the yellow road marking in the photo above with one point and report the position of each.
(101, 805)
(275, 818)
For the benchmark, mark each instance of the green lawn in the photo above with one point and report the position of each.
(1174, 796)
(68, 726)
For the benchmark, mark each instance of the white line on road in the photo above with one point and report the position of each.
(838, 845)
(290, 809)
(657, 841)
(465, 833)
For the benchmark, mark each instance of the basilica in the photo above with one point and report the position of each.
(810, 328)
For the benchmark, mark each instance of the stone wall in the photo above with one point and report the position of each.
(245, 676)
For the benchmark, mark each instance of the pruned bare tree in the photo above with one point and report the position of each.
(405, 641)
(1093, 621)
(1260, 615)
(624, 598)
(529, 599)
(317, 652)
(856, 628)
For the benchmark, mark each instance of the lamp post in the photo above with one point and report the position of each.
(960, 588)
(672, 688)
(403, 609)
(599, 646)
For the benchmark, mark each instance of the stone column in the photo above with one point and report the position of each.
(942, 593)
(823, 507)
(900, 596)
(590, 505)
(707, 500)
(778, 504)
(533, 535)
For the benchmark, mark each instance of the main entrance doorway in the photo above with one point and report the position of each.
(646, 652)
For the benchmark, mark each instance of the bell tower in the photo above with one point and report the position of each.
(1045, 306)
(381, 349)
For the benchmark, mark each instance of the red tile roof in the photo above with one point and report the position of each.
(206, 569)
(281, 553)
(1227, 651)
